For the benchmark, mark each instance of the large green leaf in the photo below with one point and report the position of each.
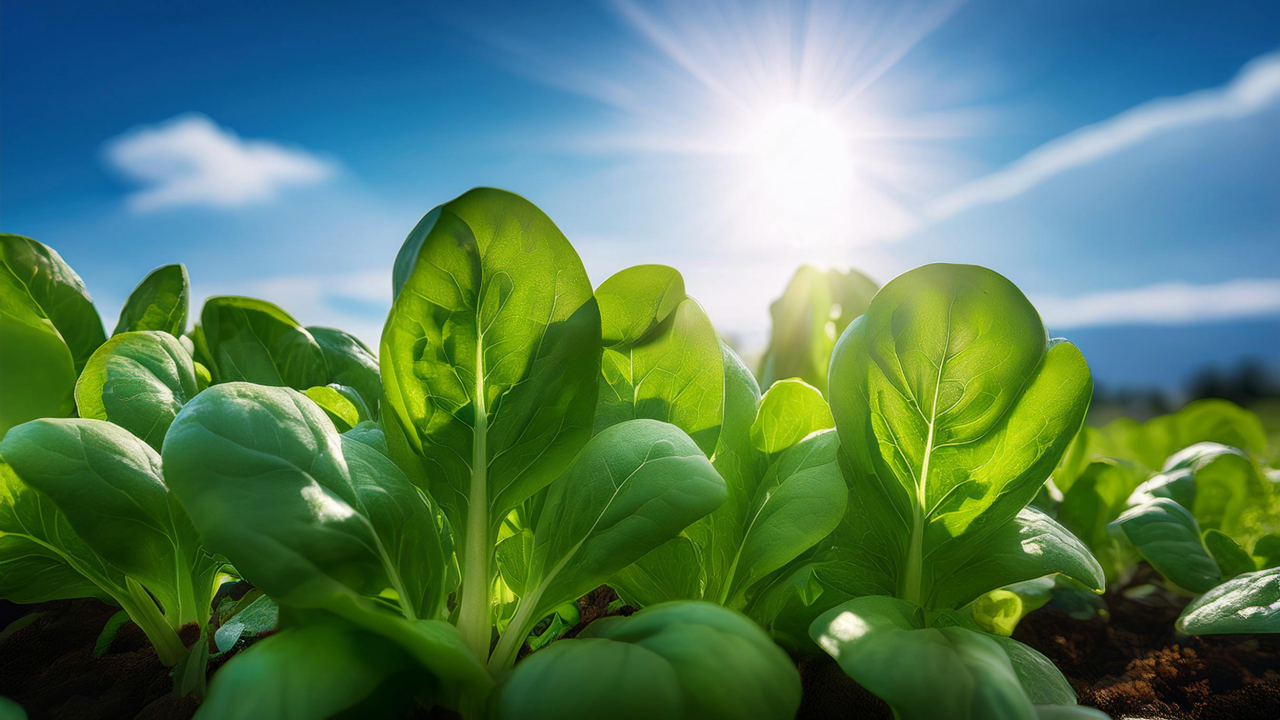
(633, 487)
(139, 381)
(675, 660)
(37, 370)
(1228, 490)
(801, 500)
(814, 310)
(158, 303)
(350, 363)
(919, 665)
(490, 365)
(254, 341)
(1248, 603)
(109, 486)
(1168, 536)
(314, 673)
(1096, 497)
(673, 370)
(58, 291)
(952, 405)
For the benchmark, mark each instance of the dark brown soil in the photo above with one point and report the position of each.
(48, 667)
(829, 694)
(1137, 666)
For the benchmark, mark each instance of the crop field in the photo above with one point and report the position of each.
(545, 495)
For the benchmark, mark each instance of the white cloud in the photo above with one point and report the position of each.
(1162, 304)
(1254, 88)
(192, 160)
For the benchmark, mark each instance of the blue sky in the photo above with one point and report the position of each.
(1121, 164)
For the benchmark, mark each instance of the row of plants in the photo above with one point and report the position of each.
(418, 523)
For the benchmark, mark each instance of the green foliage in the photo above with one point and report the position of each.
(674, 660)
(254, 341)
(158, 303)
(813, 311)
(1248, 603)
(139, 381)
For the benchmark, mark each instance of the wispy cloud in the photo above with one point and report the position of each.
(1163, 304)
(1255, 87)
(192, 160)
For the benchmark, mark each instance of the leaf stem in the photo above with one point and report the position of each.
(144, 612)
(474, 620)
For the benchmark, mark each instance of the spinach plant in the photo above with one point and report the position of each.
(85, 511)
(952, 408)
(664, 360)
(813, 311)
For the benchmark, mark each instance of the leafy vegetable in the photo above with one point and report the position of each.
(86, 512)
(158, 303)
(674, 660)
(490, 359)
(139, 381)
(252, 340)
(813, 311)
(1248, 603)
(59, 292)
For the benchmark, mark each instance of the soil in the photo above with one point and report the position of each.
(1136, 665)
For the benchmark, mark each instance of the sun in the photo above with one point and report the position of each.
(798, 173)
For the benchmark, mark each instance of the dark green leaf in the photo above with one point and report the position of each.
(158, 303)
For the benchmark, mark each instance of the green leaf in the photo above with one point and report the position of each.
(888, 647)
(814, 310)
(255, 341)
(675, 660)
(490, 363)
(342, 404)
(801, 499)
(1168, 537)
(139, 381)
(1228, 490)
(37, 371)
(1267, 550)
(633, 487)
(1248, 603)
(158, 303)
(634, 301)
(58, 291)
(351, 364)
(306, 514)
(104, 479)
(1096, 498)
(1231, 558)
(790, 411)
(952, 407)
(312, 673)
(999, 611)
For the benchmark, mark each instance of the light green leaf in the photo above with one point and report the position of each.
(350, 363)
(814, 310)
(1248, 603)
(635, 300)
(1167, 535)
(632, 488)
(58, 291)
(139, 381)
(158, 303)
(490, 364)
(801, 499)
(37, 370)
(257, 618)
(790, 411)
(342, 404)
(255, 341)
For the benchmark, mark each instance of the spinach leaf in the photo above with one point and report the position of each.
(813, 311)
(1248, 603)
(1168, 536)
(490, 364)
(674, 660)
(318, 520)
(790, 411)
(139, 381)
(126, 531)
(352, 364)
(37, 371)
(58, 291)
(254, 341)
(342, 404)
(158, 303)
(633, 487)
